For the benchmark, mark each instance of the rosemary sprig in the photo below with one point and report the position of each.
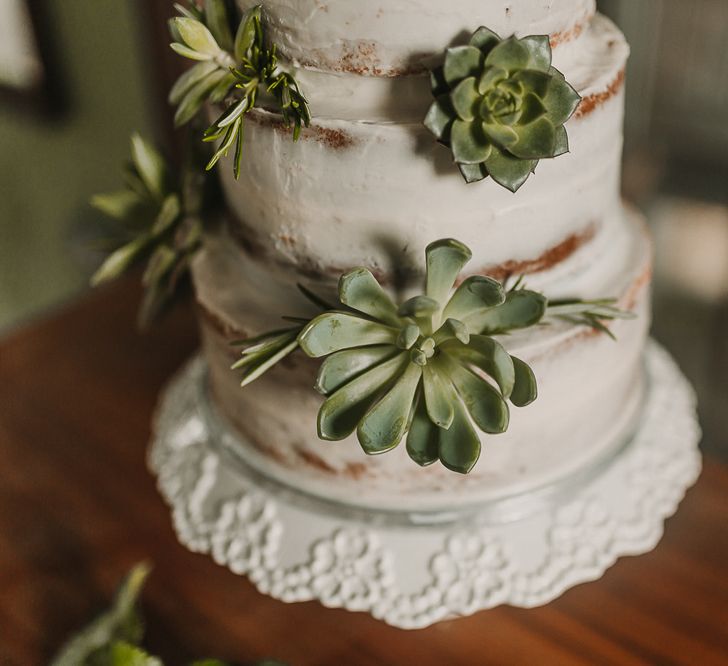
(592, 313)
(236, 71)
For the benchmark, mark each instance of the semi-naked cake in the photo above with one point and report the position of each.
(367, 185)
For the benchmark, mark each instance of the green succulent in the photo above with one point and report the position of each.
(233, 70)
(501, 107)
(427, 370)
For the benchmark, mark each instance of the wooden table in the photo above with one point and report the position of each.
(78, 508)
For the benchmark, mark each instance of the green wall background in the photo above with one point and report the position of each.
(49, 168)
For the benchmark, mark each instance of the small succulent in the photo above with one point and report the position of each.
(501, 107)
(159, 219)
(231, 70)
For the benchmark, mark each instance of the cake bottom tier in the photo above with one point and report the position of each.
(590, 391)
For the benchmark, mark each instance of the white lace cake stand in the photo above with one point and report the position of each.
(412, 571)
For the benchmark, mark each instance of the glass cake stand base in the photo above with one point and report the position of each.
(404, 570)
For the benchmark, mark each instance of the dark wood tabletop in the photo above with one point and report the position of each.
(78, 508)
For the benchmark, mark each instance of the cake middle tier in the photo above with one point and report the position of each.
(359, 192)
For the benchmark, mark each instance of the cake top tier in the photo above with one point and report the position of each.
(395, 37)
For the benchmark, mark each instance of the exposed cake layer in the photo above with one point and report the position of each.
(589, 392)
(391, 37)
(352, 192)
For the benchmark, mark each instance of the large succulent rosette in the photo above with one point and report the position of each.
(501, 107)
(428, 370)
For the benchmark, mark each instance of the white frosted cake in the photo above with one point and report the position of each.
(367, 185)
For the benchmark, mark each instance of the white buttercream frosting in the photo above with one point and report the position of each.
(368, 185)
(388, 37)
(589, 389)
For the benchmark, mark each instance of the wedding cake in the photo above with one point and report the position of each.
(425, 386)
(367, 186)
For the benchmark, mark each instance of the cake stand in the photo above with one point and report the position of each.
(412, 570)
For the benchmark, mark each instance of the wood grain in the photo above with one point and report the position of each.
(78, 508)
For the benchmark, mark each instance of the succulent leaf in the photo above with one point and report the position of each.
(466, 98)
(489, 356)
(440, 117)
(245, 36)
(535, 140)
(521, 309)
(461, 62)
(386, 422)
(360, 290)
(509, 171)
(539, 51)
(192, 76)
(439, 396)
(475, 293)
(469, 143)
(511, 54)
(560, 99)
(333, 331)
(418, 307)
(216, 17)
(444, 261)
(525, 389)
(196, 36)
(484, 39)
(343, 366)
(423, 437)
(484, 403)
(341, 412)
(459, 445)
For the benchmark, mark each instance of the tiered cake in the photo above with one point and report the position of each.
(367, 185)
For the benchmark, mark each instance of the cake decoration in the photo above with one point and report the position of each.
(500, 106)
(159, 218)
(418, 370)
(240, 72)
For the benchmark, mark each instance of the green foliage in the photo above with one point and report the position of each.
(109, 639)
(428, 371)
(115, 637)
(156, 221)
(235, 71)
(501, 107)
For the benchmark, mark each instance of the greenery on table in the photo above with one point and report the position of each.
(115, 637)
(159, 218)
(429, 370)
(236, 67)
(500, 107)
